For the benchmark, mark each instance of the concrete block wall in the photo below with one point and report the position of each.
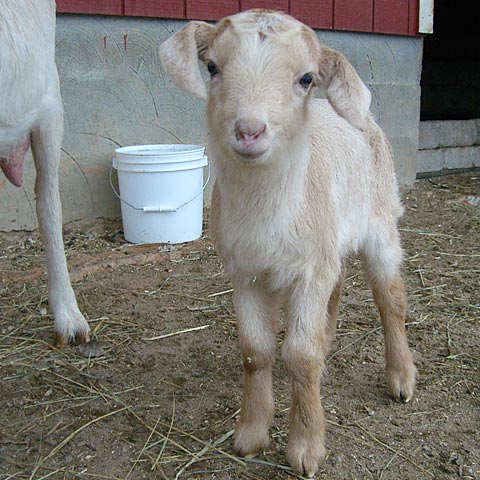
(448, 144)
(115, 93)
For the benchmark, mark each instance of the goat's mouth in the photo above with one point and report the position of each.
(249, 155)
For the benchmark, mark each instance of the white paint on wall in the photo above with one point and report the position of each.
(425, 17)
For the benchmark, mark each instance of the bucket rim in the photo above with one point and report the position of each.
(177, 150)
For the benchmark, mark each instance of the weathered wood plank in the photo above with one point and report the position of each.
(155, 8)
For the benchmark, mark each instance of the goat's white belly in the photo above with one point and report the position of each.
(352, 231)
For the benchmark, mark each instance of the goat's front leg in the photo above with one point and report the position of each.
(257, 317)
(304, 352)
(46, 140)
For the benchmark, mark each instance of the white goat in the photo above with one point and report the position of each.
(300, 184)
(31, 114)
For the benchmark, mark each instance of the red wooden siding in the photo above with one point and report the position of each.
(281, 5)
(211, 9)
(399, 17)
(155, 8)
(102, 7)
(413, 13)
(391, 16)
(356, 15)
(315, 13)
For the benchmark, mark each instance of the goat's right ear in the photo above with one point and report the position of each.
(180, 54)
(346, 92)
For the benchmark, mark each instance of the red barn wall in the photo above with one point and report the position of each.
(398, 17)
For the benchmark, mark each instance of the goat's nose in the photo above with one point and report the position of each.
(249, 130)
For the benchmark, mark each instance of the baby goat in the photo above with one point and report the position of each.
(301, 183)
(31, 114)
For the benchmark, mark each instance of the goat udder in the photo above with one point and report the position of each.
(12, 165)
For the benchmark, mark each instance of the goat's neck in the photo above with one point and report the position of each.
(276, 186)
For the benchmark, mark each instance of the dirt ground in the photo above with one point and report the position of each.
(162, 401)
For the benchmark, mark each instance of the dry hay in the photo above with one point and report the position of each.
(161, 402)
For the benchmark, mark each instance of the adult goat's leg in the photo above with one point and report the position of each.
(46, 142)
(257, 316)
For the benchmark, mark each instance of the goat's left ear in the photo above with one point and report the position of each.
(180, 54)
(346, 92)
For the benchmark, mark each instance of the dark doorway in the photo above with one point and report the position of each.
(451, 64)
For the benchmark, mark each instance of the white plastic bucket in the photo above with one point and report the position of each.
(161, 192)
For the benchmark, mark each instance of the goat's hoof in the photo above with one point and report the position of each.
(79, 338)
(401, 383)
(250, 440)
(82, 338)
(305, 458)
(91, 349)
(60, 340)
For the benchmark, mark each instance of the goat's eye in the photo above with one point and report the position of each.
(212, 68)
(306, 80)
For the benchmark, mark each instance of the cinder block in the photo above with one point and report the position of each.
(433, 160)
(447, 133)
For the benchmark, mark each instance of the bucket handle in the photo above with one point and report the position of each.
(159, 208)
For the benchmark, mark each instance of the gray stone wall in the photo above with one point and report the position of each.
(448, 144)
(115, 94)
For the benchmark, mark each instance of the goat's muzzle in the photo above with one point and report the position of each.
(250, 139)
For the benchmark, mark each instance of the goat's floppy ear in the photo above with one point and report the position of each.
(180, 54)
(346, 92)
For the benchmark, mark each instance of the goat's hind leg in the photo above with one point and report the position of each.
(382, 261)
(46, 142)
(257, 316)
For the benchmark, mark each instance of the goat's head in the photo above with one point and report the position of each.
(263, 66)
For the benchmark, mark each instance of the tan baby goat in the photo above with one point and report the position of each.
(301, 183)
